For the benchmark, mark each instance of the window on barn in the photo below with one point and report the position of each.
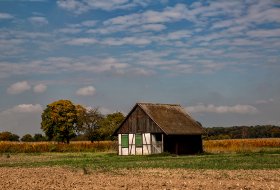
(138, 140)
(158, 137)
(124, 141)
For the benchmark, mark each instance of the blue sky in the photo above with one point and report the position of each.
(218, 59)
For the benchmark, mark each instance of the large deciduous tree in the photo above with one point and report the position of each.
(59, 120)
(89, 122)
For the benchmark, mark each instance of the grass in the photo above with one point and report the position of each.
(111, 161)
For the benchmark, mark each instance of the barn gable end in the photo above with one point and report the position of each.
(138, 121)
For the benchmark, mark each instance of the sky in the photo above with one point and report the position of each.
(218, 59)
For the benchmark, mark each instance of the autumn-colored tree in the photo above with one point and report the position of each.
(59, 120)
(89, 122)
(8, 136)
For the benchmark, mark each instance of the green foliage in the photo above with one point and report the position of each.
(239, 132)
(39, 137)
(27, 138)
(59, 120)
(109, 124)
(89, 122)
(8, 136)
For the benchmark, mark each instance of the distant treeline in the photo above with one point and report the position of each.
(213, 133)
(243, 132)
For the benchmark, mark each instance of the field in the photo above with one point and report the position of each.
(227, 164)
(210, 146)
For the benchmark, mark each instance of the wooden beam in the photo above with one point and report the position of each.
(162, 146)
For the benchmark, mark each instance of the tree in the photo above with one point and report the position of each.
(8, 136)
(59, 120)
(89, 122)
(109, 124)
(39, 137)
(27, 138)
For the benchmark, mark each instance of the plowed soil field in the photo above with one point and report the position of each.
(68, 178)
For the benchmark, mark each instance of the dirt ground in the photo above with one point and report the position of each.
(69, 178)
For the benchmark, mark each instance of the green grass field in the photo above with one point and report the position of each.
(111, 161)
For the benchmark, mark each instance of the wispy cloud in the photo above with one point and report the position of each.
(264, 33)
(86, 91)
(83, 6)
(6, 16)
(38, 20)
(23, 108)
(40, 88)
(81, 41)
(237, 109)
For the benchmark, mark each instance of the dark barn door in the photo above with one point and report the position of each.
(183, 144)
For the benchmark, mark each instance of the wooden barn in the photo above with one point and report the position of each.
(156, 128)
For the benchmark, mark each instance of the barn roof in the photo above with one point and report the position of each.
(171, 119)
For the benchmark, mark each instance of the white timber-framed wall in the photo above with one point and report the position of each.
(140, 144)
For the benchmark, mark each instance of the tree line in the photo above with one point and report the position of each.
(243, 132)
(111, 121)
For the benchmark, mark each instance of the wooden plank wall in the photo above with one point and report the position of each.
(139, 122)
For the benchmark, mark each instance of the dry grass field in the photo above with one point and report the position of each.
(210, 146)
(241, 145)
(74, 146)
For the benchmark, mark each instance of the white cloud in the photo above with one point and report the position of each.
(170, 14)
(18, 87)
(89, 23)
(270, 100)
(264, 33)
(56, 65)
(86, 91)
(22, 119)
(153, 27)
(40, 88)
(5, 16)
(81, 41)
(126, 41)
(81, 6)
(38, 20)
(178, 35)
(24, 108)
(69, 30)
(238, 109)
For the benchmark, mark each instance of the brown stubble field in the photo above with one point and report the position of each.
(68, 178)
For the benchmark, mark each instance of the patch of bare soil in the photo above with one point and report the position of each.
(67, 178)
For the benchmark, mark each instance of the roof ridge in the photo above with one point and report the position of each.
(158, 104)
